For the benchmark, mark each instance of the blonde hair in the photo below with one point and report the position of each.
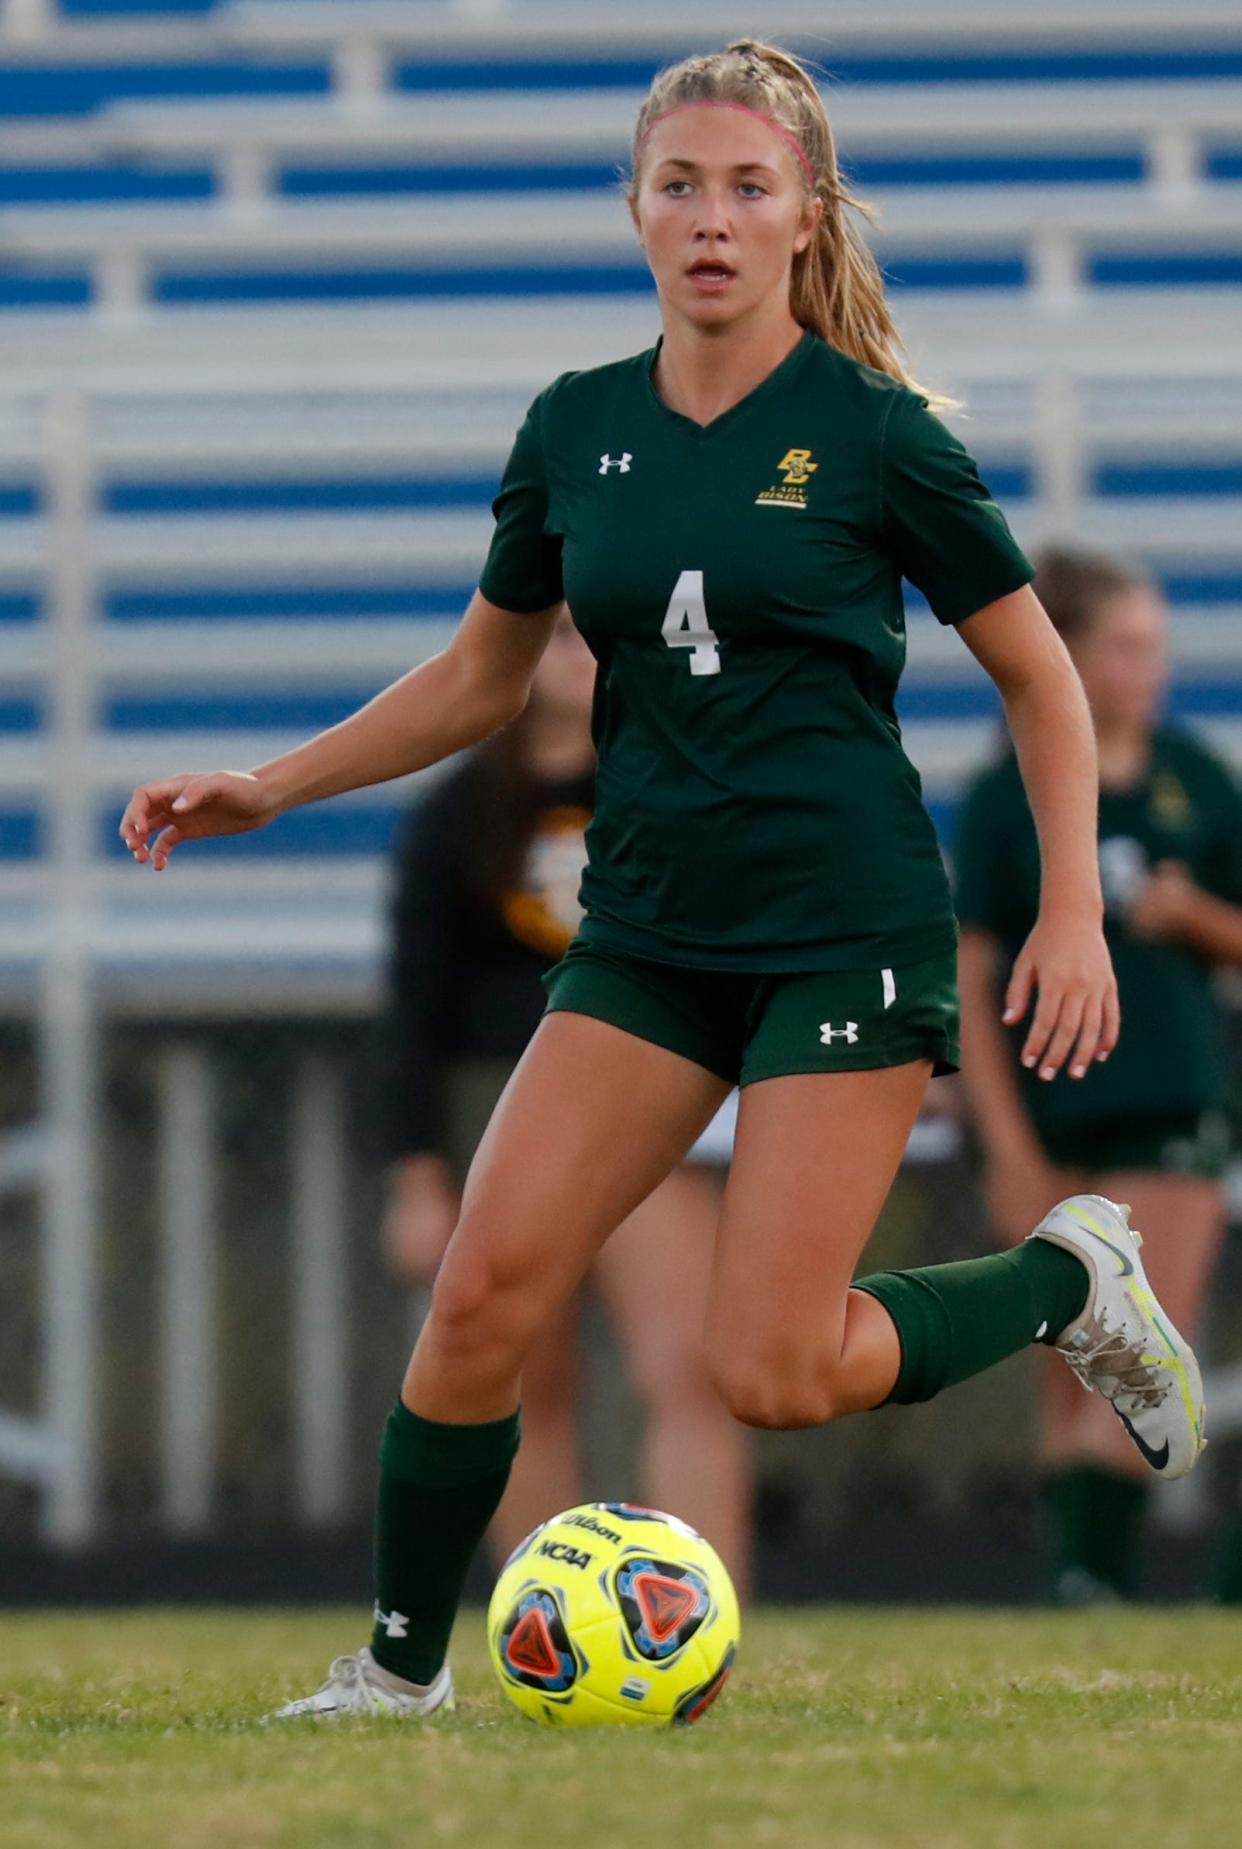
(836, 287)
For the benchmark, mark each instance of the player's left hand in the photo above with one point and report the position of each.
(1065, 964)
(1164, 903)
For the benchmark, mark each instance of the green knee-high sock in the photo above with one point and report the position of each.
(955, 1320)
(1093, 1523)
(439, 1487)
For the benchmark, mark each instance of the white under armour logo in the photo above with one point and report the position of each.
(395, 1623)
(621, 462)
(828, 1033)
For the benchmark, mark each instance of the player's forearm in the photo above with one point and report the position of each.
(435, 710)
(988, 1077)
(1050, 724)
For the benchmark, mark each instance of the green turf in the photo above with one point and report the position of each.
(938, 1730)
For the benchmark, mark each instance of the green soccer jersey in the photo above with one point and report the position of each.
(1186, 807)
(739, 584)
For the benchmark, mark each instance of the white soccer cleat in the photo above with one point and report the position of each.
(357, 1685)
(1123, 1345)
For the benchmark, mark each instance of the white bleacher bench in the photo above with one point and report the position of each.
(115, 38)
(223, 652)
(528, 25)
(443, 547)
(344, 658)
(316, 432)
(956, 339)
(315, 428)
(448, 547)
(222, 940)
(1053, 231)
(220, 653)
(1170, 121)
(594, 225)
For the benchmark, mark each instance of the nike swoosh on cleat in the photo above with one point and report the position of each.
(1157, 1459)
(1127, 1264)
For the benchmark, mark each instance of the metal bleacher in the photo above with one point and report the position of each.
(264, 351)
(276, 282)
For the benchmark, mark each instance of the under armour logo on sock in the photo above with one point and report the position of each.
(395, 1623)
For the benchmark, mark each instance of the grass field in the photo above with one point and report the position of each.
(936, 1729)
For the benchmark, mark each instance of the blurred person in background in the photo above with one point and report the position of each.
(486, 902)
(1149, 1127)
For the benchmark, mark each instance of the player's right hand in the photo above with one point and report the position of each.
(159, 816)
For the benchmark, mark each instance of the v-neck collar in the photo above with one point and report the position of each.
(772, 383)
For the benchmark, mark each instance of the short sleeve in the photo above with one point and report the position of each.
(947, 534)
(523, 569)
(982, 880)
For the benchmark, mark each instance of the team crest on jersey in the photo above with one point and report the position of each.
(797, 469)
(1169, 802)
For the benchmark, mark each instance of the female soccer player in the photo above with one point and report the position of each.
(1150, 1126)
(729, 517)
(485, 903)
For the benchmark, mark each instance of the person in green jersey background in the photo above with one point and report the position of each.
(1150, 1126)
(729, 516)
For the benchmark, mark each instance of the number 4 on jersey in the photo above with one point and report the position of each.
(686, 624)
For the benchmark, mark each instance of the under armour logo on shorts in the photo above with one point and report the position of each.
(828, 1033)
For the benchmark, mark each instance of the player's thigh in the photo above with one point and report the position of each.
(653, 1275)
(1182, 1220)
(591, 1121)
(813, 1161)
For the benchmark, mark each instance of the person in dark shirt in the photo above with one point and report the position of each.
(1150, 1126)
(485, 903)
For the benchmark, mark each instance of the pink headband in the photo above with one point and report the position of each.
(741, 109)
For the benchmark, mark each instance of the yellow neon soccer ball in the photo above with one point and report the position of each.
(611, 1614)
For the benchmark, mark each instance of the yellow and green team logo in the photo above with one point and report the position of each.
(1170, 803)
(797, 468)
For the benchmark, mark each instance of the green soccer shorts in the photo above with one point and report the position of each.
(1194, 1143)
(746, 1027)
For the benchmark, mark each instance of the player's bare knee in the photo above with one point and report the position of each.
(471, 1314)
(777, 1401)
